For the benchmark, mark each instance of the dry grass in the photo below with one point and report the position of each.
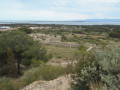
(96, 86)
(60, 52)
(84, 35)
(39, 73)
(96, 37)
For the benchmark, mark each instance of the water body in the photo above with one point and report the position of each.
(61, 22)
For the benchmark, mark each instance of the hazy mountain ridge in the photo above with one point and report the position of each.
(100, 20)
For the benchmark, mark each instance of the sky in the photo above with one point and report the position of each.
(59, 10)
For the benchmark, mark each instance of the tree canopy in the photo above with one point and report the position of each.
(23, 47)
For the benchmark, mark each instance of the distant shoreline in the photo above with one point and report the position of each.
(63, 22)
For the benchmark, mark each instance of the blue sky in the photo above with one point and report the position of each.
(58, 10)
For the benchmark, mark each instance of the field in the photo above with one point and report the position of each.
(61, 52)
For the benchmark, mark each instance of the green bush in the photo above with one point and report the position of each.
(0, 32)
(50, 56)
(109, 64)
(6, 84)
(59, 56)
(103, 72)
(63, 38)
(26, 30)
(114, 34)
(85, 60)
(36, 63)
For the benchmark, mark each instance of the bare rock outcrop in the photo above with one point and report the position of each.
(61, 83)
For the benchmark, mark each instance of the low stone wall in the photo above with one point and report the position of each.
(64, 44)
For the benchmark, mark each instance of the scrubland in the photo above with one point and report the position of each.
(90, 54)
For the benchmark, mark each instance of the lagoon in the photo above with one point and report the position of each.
(62, 22)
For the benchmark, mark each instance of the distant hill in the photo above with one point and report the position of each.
(100, 20)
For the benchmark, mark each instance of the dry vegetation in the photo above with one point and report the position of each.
(92, 69)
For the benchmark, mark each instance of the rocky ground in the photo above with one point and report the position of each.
(61, 83)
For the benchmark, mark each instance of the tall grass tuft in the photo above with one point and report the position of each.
(43, 72)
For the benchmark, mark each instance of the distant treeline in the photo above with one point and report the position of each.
(109, 30)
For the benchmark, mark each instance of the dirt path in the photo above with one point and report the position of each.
(89, 49)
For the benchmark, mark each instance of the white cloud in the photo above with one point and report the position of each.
(43, 15)
(11, 5)
(106, 1)
(59, 9)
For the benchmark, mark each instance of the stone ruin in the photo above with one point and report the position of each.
(53, 40)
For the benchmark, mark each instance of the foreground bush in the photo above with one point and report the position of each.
(40, 73)
(102, 74)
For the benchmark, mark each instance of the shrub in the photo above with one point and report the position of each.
(26, 30)
(63, 38)
(50, 56)
(0, 32)
(103, 72)
(59, 56)
(6, 84)
(114, 34)
(36, 63)
(85, 60)
(109, 63)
